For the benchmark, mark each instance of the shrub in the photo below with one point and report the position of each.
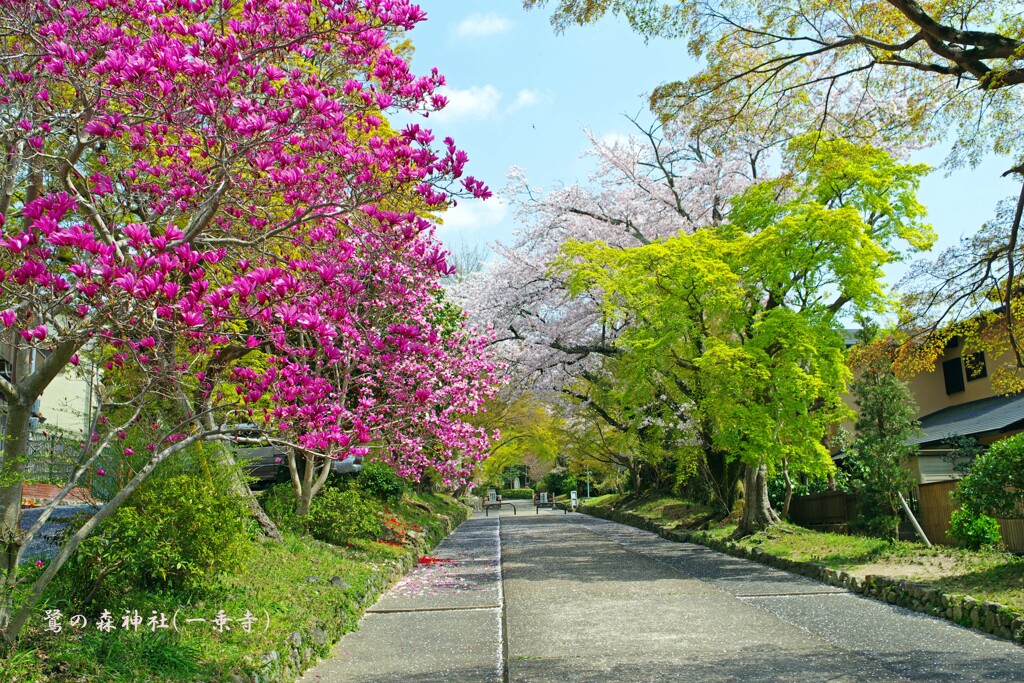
(279, 504)
(176, 532)
(340, 516)
(995, 482)
(516, 494)
(974, 531)
(380, 480)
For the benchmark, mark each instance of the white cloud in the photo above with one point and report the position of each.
(479, 25)
(482, 102)
(474, 214)
(477, 102)
(525, 98)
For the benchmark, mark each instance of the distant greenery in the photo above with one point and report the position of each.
(558, 483)
(879, 453)
(516, 494)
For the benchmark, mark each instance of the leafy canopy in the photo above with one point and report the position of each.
(897, 69)
(740, 322)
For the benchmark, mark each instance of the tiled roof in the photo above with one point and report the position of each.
(977, 418)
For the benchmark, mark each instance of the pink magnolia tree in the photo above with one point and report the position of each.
(168, 165)
(367, 358)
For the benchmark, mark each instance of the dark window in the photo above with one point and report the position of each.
(974, 364)
(954, 376)
(952, 343)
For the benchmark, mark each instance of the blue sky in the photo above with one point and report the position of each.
(521, 96)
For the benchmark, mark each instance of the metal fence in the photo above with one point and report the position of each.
(50, 457)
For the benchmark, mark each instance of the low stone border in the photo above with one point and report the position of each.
(988, 617)
(300, 650)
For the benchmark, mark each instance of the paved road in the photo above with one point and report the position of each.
(567, 598)
(43, 545)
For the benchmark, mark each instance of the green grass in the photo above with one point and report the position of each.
(287, 584)
(989, 575)
(606, 500)
(660, 507)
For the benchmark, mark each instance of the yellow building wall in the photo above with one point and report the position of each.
(65, 403)
(929, 387)
(929, 390)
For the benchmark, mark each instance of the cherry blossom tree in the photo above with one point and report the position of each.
(647, 187)
(651, 186)
(168, 164)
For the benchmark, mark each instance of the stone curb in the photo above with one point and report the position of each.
(988, 617)
(303, 649)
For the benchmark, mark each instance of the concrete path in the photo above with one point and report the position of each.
(442, 622)
(567, 598)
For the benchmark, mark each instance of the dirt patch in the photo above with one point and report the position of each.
(918, 569)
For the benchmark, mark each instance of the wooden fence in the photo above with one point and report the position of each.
(833, 510)
(937, 506)
(819, 510)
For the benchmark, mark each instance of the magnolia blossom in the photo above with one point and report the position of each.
(184, 179)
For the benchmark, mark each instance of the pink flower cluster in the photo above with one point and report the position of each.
(223, 173)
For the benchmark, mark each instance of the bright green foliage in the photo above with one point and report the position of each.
(995, 482)
(973, 530)
(380, 479)
(339, 516)
(179, 531)
(528, 429)
(738, 324)
(879, 453)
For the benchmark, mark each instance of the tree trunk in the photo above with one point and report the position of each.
(789, 491)
(302, 504)
(758, 514)
(13, 471)
(723, 476)
(237, 487)
(309, 481)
